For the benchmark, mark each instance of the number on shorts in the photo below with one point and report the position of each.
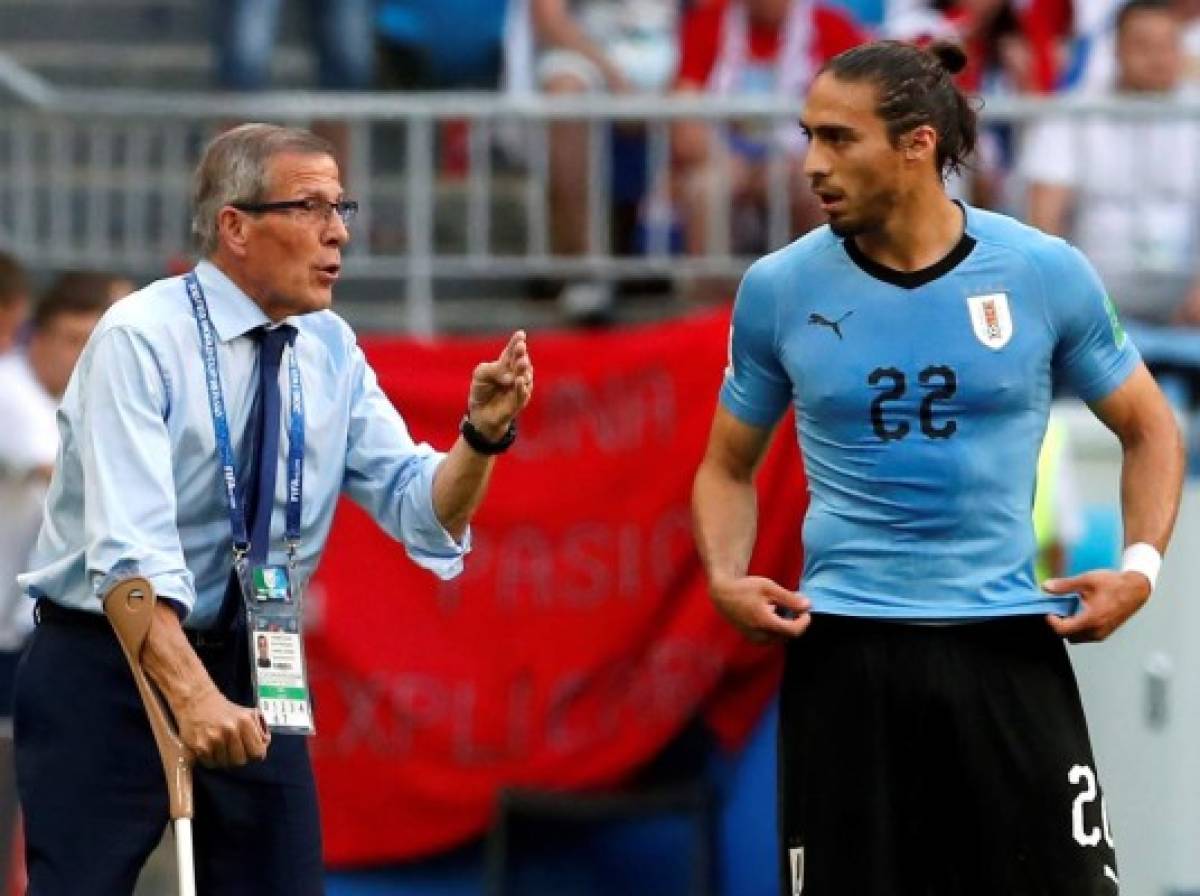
(1085, 836)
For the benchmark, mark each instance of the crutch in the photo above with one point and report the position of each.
(129, 607)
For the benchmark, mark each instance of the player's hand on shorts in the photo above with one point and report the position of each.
(761, 609)
(1108, 599)
(222, 734)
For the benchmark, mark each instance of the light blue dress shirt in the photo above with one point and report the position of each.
(137, 486)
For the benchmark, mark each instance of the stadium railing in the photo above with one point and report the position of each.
(95, 177)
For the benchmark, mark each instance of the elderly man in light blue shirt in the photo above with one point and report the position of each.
(146, 485)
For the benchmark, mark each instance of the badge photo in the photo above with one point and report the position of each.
(991, 319)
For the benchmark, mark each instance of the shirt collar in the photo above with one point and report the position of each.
(232, 312)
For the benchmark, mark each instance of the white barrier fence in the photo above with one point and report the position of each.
(102, 178)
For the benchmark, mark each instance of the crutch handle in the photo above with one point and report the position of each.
(129, 606)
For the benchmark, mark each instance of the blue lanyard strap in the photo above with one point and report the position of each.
(216, 404)
(295, 485)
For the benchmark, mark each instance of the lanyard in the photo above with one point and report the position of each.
(216, 404)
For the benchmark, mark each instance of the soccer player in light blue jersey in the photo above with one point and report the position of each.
(932, 739)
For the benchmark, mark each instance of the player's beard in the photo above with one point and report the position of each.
(845, 228)
(870, 217)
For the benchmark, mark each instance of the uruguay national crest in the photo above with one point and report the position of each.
(990, 319)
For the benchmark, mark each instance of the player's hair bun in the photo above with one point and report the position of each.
(949, 55)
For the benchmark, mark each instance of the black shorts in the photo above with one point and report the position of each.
(927, 760)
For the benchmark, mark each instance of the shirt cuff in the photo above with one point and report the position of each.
(428, 543)
(174, 588)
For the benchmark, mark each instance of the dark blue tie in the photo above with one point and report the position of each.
(259, 487)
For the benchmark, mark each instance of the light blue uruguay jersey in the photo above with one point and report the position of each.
(921, 402)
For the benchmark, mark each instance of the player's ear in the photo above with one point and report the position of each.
(919, 143)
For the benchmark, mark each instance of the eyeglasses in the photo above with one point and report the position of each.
(320, 209)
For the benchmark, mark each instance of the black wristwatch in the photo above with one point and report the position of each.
(481, 443)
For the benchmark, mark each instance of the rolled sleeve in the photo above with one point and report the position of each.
(428, 543)
(129, 490)
(391, 477)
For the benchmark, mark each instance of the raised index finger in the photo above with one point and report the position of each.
(514, 349)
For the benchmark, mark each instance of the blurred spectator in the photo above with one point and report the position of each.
(14, 302)
(86, 288)
(618, 46)
(622, 46)
(897, 17)
(1095, 60)
(1011, 47)
(448, 44)
(1095, 179)
(1052, 26)
(737, 48)
(341, 30)
(342, 33)
(873, 13)
(1127, 192)
(31, 384)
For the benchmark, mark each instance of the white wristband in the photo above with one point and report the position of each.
(1143, 558)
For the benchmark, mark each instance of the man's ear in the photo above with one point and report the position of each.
(920, 143)
(233, 230)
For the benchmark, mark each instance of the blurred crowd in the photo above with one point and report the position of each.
(41, 338)
(1125, 190)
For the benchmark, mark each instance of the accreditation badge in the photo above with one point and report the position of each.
(276, 634)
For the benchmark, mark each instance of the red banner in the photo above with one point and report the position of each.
(580, 639)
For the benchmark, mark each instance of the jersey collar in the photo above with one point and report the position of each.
(913, 279)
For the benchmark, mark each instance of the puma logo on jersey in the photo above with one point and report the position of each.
(821, 320)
